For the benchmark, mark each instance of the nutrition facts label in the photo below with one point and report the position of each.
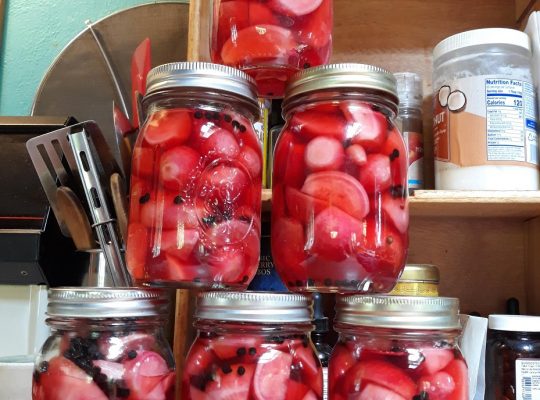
(528, 379)
(510, 119)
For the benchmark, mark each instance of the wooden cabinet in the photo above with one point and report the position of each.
(486, 244)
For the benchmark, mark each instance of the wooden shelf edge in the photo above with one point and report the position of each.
(456, 203)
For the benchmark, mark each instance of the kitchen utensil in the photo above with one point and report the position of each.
(97, 199)
(119, 198)
(112, 74)
(75, 218)
(140, 66)
(97, 274)
(122, 129)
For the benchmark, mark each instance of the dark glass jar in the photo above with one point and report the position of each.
(513, 357)
(252, 345)
(340, 213)
(195, 201)
(271, 40)
(398, 348)
(105, 344)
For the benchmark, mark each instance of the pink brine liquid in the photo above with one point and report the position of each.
(339, 200)
(394, 373)
(271, 40)
(252, 367)
(195, 200)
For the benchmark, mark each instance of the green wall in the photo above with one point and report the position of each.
(35, 31)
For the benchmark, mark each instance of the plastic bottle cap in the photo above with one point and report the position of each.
(482, 36)
(514, 323)
(409, 88)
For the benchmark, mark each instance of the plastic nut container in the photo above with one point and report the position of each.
(252, 345)
(484, 112)
(196, 182)
(271, 40)
(512, 357)
(340, 212)
(397, 347)
(105, 344)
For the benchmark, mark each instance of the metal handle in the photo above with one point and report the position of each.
(101, 216)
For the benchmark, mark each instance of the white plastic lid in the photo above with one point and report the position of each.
(482, 36)
(514, 323)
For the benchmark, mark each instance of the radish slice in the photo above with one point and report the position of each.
(295, 7)
(323, 154)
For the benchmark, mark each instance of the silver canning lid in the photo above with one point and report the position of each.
(106, 303)
(202, 75)
(263, 307)
(401, 312)
(347, 75)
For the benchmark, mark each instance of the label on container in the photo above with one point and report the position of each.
(415, 173)
(325, 383)
(484, 120)
(267, 278)
(528, 379)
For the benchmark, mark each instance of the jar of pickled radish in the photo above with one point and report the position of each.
(253, 346)
(195, 201)
(397, 347)
(340, 213)
(271, 40)
(105, 344)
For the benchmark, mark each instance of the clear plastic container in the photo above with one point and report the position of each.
(512, 357)
(340, 212)
(253, 346)
(484, 112)
(196, 181)
(409, 119)
(105, 344)
(271, 40)
(396, 347)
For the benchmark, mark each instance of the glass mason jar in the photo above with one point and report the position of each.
(252, 345)
(105, 344)
(195, 200)
(271, 40)
(340, 212)
(397, 347)
(512, 357)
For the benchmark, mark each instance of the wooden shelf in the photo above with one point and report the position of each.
(523, 205)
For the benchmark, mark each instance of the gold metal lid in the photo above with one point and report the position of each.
(420, 273)
(346, 75)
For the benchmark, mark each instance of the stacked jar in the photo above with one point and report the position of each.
(105, 344)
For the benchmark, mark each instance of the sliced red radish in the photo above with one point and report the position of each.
(336, 234)
(167, 128)
(295, 167)
(341, 361)
(294, 8)
(178, 166)
(223, 185)
(118, 347)
(179, 270)
(366, 127)
(356, 154)
(311, 396)
(258, 43)
(296, 389)
(179, 242)
(394, 148)
(113, 370)
(233, 17)
(438, 386)
(142, 162)
(313, 123)
(435, 359)
(252, 161)
(383, 374)
(376, 175)
(340, 190)
(201, 356)
(228, 266)
(306, 361)
(396, 209)
(232, 386)
(260, 14)
(167, 211)
(144, 373)
(324, 154)
(218, 143)
(271, 375)
(457, 369)
(302, 206)
(229, 346)
(288, 243)
(316, 29)
(137, 250)
(376, 392)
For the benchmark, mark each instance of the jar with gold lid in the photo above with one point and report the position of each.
(418, 280)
